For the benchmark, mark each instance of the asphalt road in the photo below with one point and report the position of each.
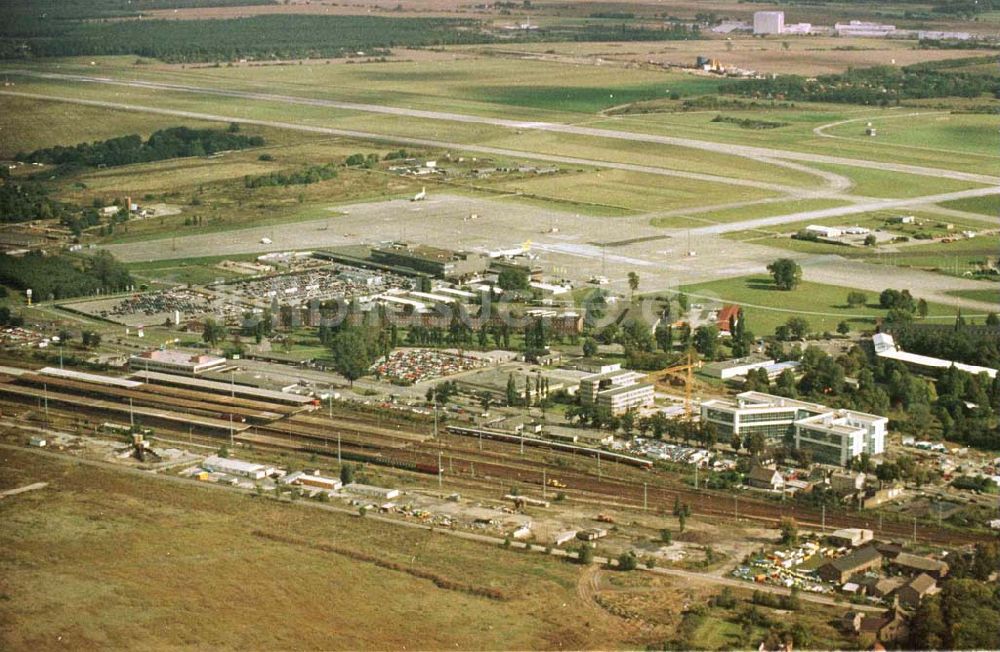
(752, 152)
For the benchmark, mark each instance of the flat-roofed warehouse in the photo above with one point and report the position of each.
(176, 361)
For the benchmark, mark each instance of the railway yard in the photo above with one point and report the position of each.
(404, 445)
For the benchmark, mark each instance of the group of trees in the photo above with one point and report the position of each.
(305, 176)
(23, 201)
(971, 345)
(63, 276)
(878, 85)
(173, 142)
(964, 615)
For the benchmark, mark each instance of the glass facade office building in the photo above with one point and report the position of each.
(832, 436)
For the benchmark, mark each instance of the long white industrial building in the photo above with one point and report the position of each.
(885, 347)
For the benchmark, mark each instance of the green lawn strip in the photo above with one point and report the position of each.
(823, 306)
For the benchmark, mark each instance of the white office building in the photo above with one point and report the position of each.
(768, 22)
(832, 436)
(618, 391)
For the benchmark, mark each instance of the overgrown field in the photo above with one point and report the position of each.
(194, 567)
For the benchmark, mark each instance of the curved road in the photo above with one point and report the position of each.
(425, 142)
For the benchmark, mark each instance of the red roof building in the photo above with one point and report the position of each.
(728, 313)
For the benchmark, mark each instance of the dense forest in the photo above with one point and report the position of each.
(85, 9)
(973, 345)
(281, 36)
(23, 201)
(879, 85)
(164, 144)
(61, 277)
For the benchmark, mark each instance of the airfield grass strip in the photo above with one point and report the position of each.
(439, 580)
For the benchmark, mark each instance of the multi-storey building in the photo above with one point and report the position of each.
(832, 436)
(618, 391)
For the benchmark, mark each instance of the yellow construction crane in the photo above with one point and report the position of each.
(688, 375)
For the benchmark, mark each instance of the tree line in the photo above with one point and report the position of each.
(173, 142)
(284, 36)
(878, 85)
(63, 276)
(305, 176)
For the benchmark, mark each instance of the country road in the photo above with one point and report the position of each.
(752, 152)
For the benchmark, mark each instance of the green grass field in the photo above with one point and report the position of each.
(727, 215)
(991, 296)
(955, 258)
(629, 191)
(883, 184)
(766, 307)
(989, 206)
(936, 131)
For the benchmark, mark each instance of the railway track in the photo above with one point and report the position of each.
(655, 492)
(367, 439)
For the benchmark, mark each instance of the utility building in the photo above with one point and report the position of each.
(768, 22)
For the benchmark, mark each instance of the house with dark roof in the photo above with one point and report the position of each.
(883, 587)
(911, 593)
(841, 569)
(761, 477)
(911, 564)
(890, 627)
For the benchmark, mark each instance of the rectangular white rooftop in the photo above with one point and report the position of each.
(885, 347)
(69, 374)
(214, 385)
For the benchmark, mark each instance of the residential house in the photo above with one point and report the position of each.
(761, 477)
(890, 627)
(911, 593)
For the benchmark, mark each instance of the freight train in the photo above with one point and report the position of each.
(381, 460)
(554, 445)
